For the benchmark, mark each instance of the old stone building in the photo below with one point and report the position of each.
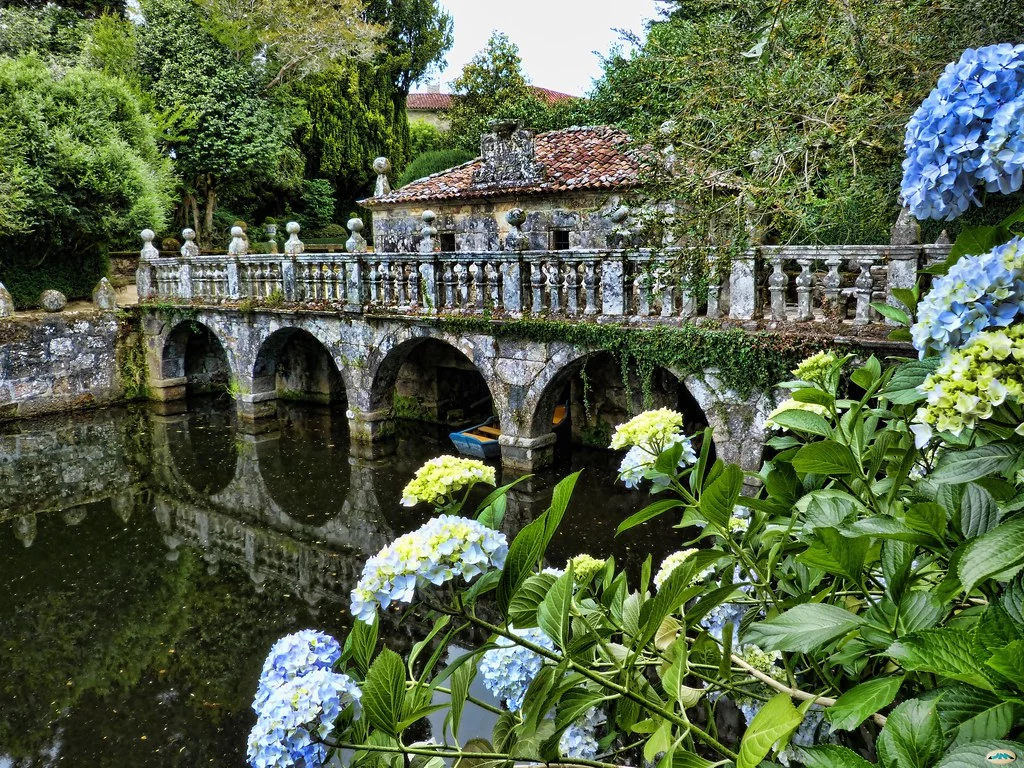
(430, 106)
(569, 184)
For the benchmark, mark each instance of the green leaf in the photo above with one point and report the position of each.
(503, 734)
(974, 463)
(975, 240)
(919, 610)
(777, 719)
(831, 756)
(668, 600)
(890, 312)
(902, 387)
(972, 714)
(1009, 662)
(560, 497)
(813, 395)
(384, 691)
(912, 737)
(978, 511)
(825, 458)
(362, 642)
(803, 421)
(553, 612)
(522, 611)
(647, 513)
(928, 517)
(523, 554)
(947, 651)
(683, 759)
(992, 554)
(804, 628)
(487, 518)
(860, 702)
(974, 754)
(460, 683)
(867, 375)
(907, 297)
(660, 741)
(719, 498)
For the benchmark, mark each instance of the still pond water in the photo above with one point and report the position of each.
(148, 563)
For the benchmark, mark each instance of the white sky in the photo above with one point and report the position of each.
(556, 38)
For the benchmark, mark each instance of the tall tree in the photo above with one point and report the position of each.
(418, 35)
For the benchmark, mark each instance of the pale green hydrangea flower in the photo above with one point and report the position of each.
(650, 430)
(816, 367)
(585, 567)
(672, 562)
(437, 481)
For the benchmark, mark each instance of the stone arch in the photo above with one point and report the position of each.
(384, 376)
(670, 390)
(192, 352)
(293, 363)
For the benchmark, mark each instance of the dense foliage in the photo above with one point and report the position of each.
(797, 109)
(433, 161)
(80, 174)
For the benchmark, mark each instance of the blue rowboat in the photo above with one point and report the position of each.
(481, 440)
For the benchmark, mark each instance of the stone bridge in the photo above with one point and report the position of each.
(346, 327)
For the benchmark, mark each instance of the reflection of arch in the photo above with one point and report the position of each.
(193, 351)
(296, 365)
(201, 449)
(463, 385)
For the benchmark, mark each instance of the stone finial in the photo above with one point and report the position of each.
(6, 302)
(149, 251)
(906, 230)
(189, 247)
(238, 246)
(943, 238)
(104, 296)
(428, 233)
(293, 246)
(356, 243)
(382, 167)
(516, 239)
(52, 301)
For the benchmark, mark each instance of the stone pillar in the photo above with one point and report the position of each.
(167, 390)
(527, 454)
(184, 280)
(372, 433)
(144, 278)
(293, 246)
(288, 286)
(743, 287)
(356, 243)
(613, 285)
(6, 302)
(256, 412)
(234, 285)
(901, 273)
(382, 167)
(512, 287)
(428, 298)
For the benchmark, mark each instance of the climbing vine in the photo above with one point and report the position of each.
(130, 351)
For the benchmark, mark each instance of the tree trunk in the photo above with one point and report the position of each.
(211, 206)
(194, 208)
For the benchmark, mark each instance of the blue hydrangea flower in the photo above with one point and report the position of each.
(508, 670)
(292, 656)
(579, 740)
(297, 715)
(951, 145)
(443, 548)
(978, 293)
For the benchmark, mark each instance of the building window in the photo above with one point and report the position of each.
(448, 242)
(560, 240)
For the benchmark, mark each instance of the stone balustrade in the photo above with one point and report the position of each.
(779, 284)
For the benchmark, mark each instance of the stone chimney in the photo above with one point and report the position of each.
(508, 157)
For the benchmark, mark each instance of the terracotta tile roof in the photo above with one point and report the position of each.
(428, 102)
(575, 158)
(435, 102)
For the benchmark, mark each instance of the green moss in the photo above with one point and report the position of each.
(130, 357)
(410, 407)
(597, 435)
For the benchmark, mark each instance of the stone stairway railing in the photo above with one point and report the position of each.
(778, 283)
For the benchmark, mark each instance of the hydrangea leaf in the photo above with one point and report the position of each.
(774, 721)
(912, 737)
(860, 702)
(804, 628)
(993, 554)
(831, 756)
(384, 691)
(974, 754)
(522, 611)
(948, 652)
(553, 613)
(972, 714)
(974, 463)
(826, 457)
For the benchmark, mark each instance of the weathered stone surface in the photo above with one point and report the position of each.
(6, 302)
(906, 230)
(382, 167)
(53, 301)
(356, 243)
(104, 296)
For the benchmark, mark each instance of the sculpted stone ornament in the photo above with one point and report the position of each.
(6, 302)
(52, 301)
(149, 251)
(356, 243)
(293, 246)
(382, 167)
(509, 156)
(516, 239)
(189, 247)
(238, 246)
(428, 233)
(104, 296)
(906, 230)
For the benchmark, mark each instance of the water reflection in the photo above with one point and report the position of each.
(149, 561)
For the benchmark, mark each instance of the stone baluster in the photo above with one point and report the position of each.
(384, 270)
(185, 280)
(201, 280)
(510, 273)
(834, 308)
(413, 277)
(356, 243)
(493, 276)
(714, 294)
(428, 295)
(220, 278)
(864, 285)
(398, 278)
(777, 288)
(462, 276)
(804, 290)
(666, 284)
(293, 246)
(338, 283)
(428, 232)
(305, 280)
(687, 304)
(537, 287)
(743, 287)
(354, 286)
(479, 286)
(373, 276)
(643, 282)
(269, 280)
(589, 289)
(449, 286)
(255, 280)
(382, 167)
(572, 288)
(554, 276)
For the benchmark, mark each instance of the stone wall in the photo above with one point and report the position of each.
(58, 362)
(480, 225)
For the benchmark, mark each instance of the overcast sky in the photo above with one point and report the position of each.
(557, 38)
